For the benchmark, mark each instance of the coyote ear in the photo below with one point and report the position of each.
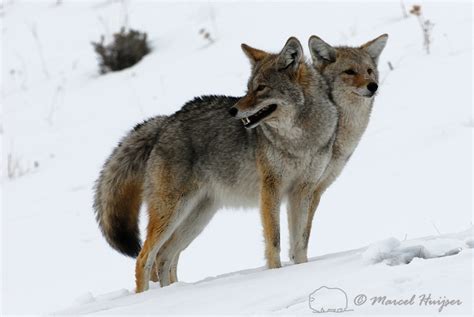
(321, 52)
(291, 55)
(254, 55)
(375, 47)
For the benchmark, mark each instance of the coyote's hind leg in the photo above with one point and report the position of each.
(169, 202)
(182, 237)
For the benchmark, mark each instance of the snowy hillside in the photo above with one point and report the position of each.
(432, 277)
(410, 177)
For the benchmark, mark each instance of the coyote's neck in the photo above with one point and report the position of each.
(354, 114)
(308, 126)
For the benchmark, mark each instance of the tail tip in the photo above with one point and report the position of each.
(127, 243)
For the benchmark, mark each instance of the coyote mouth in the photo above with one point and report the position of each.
(252, 121)
(364, 95)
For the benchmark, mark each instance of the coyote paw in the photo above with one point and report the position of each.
(297, 259)
(274, 264)
(298, 256)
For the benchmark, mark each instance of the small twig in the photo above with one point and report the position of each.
(24, 72)
(10, 166)
(206, 35)
(54, 104)
(425, 25)
(420, 252)
(212, 16)
(106, 27)
(404, 9)
(15, 168)
(40, 49)
(436, 228)
(125, 15)
(390, 66)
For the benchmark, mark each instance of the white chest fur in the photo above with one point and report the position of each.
(353, 120)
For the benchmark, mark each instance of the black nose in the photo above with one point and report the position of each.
(372, 87)
(233, 111)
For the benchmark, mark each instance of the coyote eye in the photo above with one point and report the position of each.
(260, 88)
(350, 72)
(370, 71)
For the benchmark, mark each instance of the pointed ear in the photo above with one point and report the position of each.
(254, 55)
(291, 55)
(321, 52)
(375, 47)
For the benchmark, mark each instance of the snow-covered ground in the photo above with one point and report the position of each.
(410, 177)
(369, 278)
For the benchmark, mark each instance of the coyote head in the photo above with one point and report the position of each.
(349, 70)
(276, 85)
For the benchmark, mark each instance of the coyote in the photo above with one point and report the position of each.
(353, 77)
(274, 143)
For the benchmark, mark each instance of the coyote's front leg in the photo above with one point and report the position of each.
(270, 213)
(299, 211)
(315, 199)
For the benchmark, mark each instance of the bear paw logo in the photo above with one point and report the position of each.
(328, 299)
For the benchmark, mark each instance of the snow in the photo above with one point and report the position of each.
(411, 175)
(393, 252)
(288, 290)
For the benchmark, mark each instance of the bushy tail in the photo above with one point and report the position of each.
(118, 191)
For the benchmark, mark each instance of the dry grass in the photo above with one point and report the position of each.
(126, 49)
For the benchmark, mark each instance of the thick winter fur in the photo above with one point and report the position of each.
(118, 194)
(205, 159)
(354, 103)
(201, 159)
(352, 75)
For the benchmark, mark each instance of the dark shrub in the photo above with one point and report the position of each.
(127, 49)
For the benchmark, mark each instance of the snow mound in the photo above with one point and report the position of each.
(393, 252)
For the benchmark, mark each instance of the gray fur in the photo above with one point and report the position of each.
(375, 47)
(354, 110)
(202, 146)
(291, 54)
(354, 105)
(321, 52)
(124, 167)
